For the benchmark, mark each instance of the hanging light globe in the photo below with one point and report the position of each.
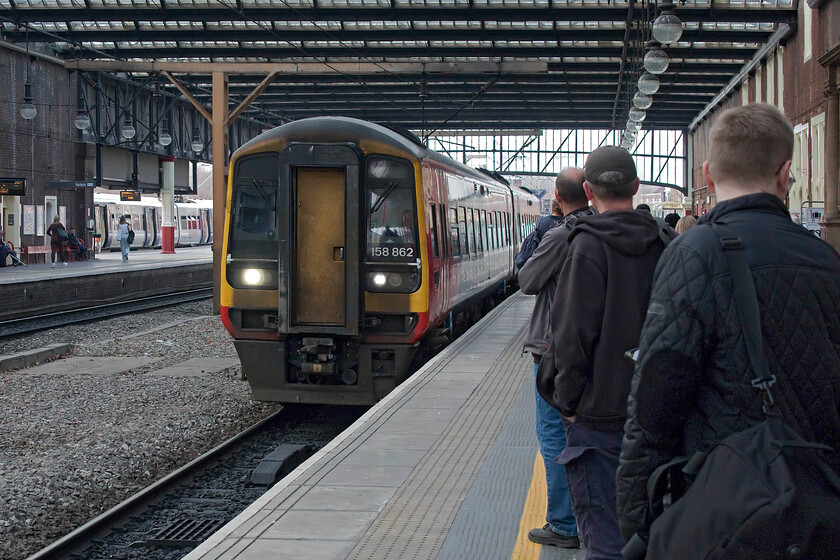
(642, 101)
(28, 110)
(128, 131)
(633, 126)
(629, 135)
(197, 145)
(626, 144)
(648, 83)
(667, 28)
(637, 114)
(656, 61)
(82, 120)
(165, 138)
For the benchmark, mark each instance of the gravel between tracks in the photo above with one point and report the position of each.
(72, 446)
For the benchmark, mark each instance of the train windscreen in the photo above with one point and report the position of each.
(253, 227)
(392, 231)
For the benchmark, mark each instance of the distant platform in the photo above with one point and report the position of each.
(38, 288)
(446, 467)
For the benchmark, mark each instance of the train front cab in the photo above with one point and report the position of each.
(326, 339)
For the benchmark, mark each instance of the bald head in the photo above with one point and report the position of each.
(569, 188)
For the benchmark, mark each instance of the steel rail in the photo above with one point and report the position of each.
(51, 320)
(76, 540)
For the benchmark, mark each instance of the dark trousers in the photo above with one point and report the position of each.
(591, 459)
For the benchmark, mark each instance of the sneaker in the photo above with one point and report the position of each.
(64, 264)
(52, 265)
(546, 536)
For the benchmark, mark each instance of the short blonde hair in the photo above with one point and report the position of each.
(56, 219)
(685, 223)
(749, 142)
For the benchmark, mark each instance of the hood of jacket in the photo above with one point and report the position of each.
(631, 232)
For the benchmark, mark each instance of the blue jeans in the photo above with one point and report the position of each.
(551, 435)
(124, 247)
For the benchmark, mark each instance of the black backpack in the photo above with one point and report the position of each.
(528, 247)
(762, 493)
(130, 236)
(62, 234)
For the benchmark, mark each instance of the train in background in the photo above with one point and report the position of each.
(193, 221)
(350, 247)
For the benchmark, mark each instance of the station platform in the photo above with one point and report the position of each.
(446, 467)
(107, 262)
(39, 288)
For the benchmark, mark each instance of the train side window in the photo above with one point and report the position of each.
(468, 220)
(433, 212)
(443, 229)
(462, 229)
(476, 230)
(484, 236)
(508, 228)
(454, 233)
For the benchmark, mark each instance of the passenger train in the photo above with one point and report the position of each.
(193, 221)
(349, 246)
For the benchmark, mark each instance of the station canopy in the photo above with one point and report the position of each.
(424, 65)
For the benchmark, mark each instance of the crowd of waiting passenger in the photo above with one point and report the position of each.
(720, 345)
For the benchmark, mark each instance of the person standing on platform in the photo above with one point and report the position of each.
(599, 306)
(693, 383)
(122, 237)
(57, 240)
(539, 277)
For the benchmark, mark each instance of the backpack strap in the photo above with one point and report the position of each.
(664, 230)
(746, 301)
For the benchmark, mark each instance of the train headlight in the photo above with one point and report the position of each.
(253, 276)
(393, 281)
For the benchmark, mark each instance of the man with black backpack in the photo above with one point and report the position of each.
(533, 239)
(698, 378)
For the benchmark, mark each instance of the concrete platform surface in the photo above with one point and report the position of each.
(444, 467)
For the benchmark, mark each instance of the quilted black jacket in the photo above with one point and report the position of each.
(692, 384)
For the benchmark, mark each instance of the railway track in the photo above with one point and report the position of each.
(179, 511)
(24, 325)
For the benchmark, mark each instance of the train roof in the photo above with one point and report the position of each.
(344, 129)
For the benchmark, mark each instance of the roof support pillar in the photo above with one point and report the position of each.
(220, 153)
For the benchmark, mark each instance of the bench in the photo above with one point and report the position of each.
(29, 251)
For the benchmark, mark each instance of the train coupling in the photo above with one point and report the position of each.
(317, 356)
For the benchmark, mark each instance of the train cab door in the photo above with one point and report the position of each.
(319, 258)
(440, 279)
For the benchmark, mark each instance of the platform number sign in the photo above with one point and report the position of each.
(12, 187)
(130, 196)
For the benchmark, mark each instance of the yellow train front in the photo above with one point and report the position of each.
(346, 246)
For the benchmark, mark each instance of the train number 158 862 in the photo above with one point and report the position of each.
(392, 251)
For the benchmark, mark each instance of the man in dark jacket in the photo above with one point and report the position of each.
(599, 306)
(692, 385)
(539, 277)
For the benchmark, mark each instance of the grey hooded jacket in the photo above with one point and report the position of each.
(539, 277)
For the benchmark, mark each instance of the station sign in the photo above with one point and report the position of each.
(12, 186)
(130, 196)
(72, 184)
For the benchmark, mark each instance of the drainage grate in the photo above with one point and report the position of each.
(183, 533)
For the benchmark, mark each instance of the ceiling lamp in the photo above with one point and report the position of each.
(642, 101)
(656, 61)
(197, 145)
(633, 126)
(28, 110)
(165, 138)
(626, 144)
(667, 28)
(128, 131)
(82, 120)
(648, 83)
(629, 136)
(637, 114)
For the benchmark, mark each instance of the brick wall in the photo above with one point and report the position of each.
(41, 150)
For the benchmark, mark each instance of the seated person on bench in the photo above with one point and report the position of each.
(6, 251)
(78, 244)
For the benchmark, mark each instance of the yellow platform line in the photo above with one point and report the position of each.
(533, 514)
